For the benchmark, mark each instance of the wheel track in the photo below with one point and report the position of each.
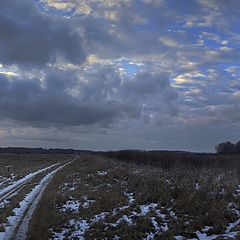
(18, 230)
(8, 191)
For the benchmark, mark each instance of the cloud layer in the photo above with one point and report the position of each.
(119, 74)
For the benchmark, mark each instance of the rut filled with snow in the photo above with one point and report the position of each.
(24, 213)
(24, 180)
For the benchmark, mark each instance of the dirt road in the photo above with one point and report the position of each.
(17, 225)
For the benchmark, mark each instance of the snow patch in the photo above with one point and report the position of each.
(71, 205)
(102, 173)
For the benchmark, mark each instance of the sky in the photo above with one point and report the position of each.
(119, 74)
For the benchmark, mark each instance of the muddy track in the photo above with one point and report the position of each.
(18, 229)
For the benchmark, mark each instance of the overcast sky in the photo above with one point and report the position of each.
(119, 74)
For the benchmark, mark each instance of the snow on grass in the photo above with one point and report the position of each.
(70, 186)
(24, 179)
(144, 211)
(7, 180)
(130, 197)
(197, 186)
(76, 228)
(172, 213)
(146, 208)
(207, 228)
(124, 218)
(87, 202)
(234, 224)
(179, 238)
(204, 236)
(71, 205)
(74, 205)
(102, 173)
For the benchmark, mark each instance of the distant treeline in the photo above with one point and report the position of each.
(228, 147)
(169, 159)
(23, 150)
(164, 159)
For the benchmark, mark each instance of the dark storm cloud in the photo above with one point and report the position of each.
(28, 36)
(102, 97)
(139, 70)
(27, 102)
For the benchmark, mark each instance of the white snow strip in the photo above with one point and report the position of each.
(204, 236)
(179, 238)
(8, 199)
(4, 180)
(24, 179)
(102, 173)
(233, 225)
(32, 199)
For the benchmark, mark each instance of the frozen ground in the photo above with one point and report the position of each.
(106, 200)
(17, 223)
(98, 198)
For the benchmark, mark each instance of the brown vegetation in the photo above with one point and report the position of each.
(183, 198)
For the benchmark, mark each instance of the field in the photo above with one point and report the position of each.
(98, 196)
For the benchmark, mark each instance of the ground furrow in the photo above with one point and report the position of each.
(9, 190)
(19, 223)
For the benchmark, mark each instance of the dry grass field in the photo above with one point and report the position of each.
(100, 198)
